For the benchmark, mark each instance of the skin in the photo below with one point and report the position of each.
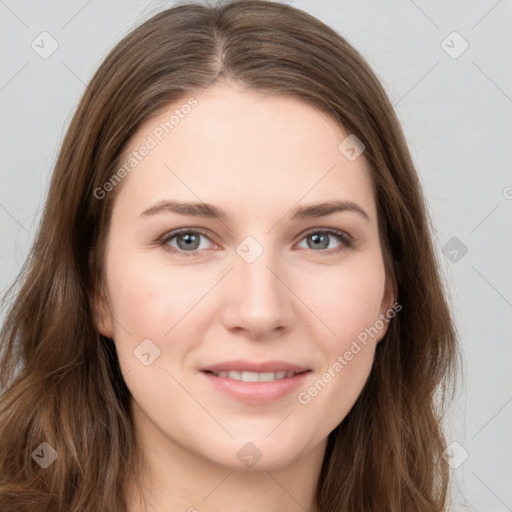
(257, 157)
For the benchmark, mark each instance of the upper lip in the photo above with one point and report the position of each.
(252, 366)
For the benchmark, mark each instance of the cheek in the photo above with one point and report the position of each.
(150, 298)
(347, 299)
(331, 394)
(170, 305)
(349, 305)
(352, 313)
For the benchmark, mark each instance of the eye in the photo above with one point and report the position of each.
(320, 240)
(185, 242)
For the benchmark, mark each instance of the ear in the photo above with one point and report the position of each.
(102, 316)
(389, 307)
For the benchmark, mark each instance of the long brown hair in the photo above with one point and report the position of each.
(61, 380)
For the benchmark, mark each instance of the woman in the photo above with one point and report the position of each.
(232, 301)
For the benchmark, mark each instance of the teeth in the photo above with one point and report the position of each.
(248, 376)
(254, 376)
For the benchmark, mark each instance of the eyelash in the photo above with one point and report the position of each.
(340, 235)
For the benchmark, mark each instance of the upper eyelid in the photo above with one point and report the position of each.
(172, 234)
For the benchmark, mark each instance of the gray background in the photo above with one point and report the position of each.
(456, 112)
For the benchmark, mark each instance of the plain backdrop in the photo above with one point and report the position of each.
(447, 69)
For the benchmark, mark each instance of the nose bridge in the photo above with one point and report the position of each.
(253, 269)
(257, 300)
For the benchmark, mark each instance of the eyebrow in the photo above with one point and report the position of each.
(214, 212)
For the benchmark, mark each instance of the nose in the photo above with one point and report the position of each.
(257, 300)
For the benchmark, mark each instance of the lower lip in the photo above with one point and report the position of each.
(256, 392)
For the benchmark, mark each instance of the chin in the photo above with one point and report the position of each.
(260, 453)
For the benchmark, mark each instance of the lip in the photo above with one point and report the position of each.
(252, 366)
(255, 393)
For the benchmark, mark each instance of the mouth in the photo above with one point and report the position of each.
(248, 376)
(255, 383)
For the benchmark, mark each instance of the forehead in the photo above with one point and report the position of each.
(246, 149)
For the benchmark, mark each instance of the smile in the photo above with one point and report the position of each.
(247, 376)
(255, 383)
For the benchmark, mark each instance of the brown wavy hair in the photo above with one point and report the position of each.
(60, 379)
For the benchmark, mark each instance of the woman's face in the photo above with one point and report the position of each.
(222, 269)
